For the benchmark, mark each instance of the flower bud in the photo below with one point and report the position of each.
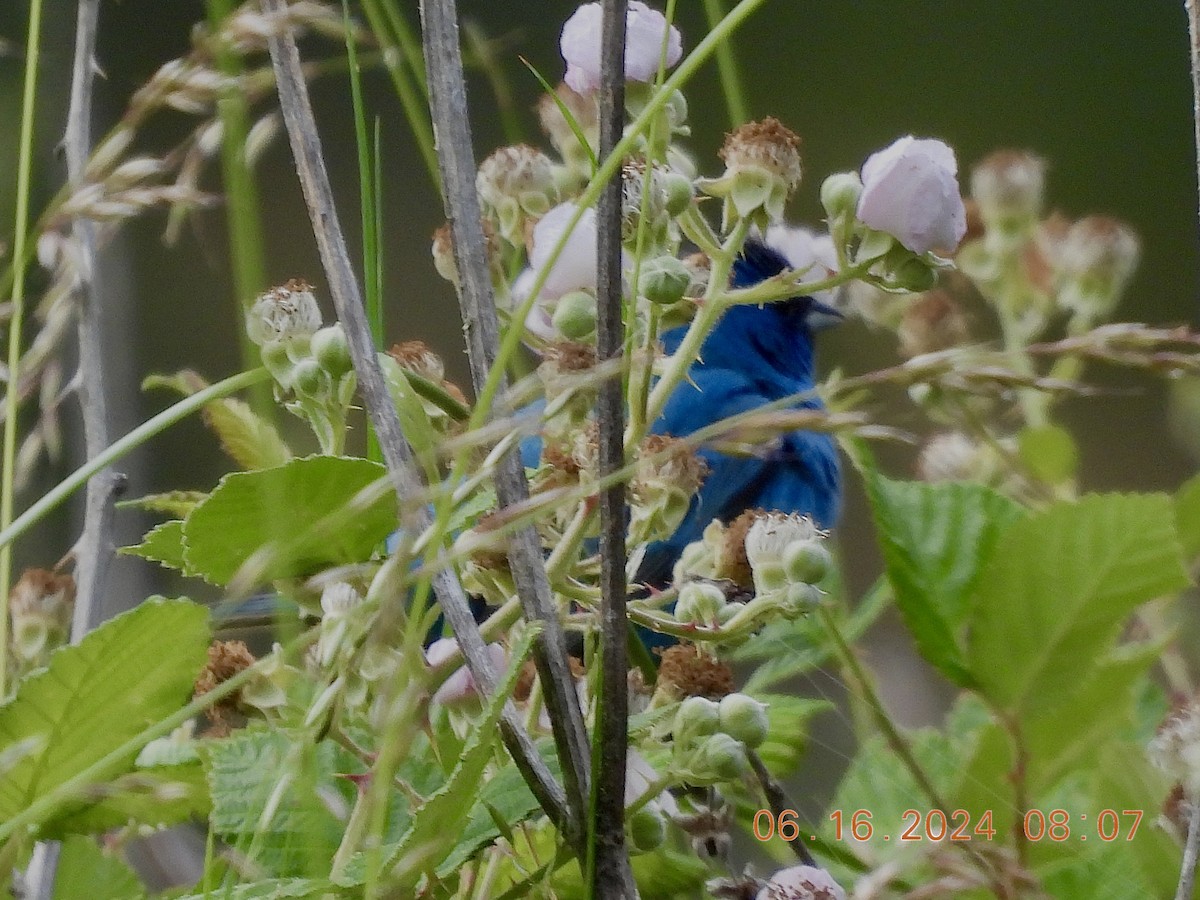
(678, 191)
(332, 350)
(583, 109)
(308, 378)
(646, 30)
(840, 193)
(696, 717)
(699, 601)
(806, 561)
(744, 719)
(575, 315)
(801, 598)
(284, 313)
(647, 828)
(724, 757)
(664, 280)
(1095, 261)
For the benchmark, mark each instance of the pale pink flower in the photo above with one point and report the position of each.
(806, 250)
(802, 883)
(910, 191)
(460, 686)
(645, 29)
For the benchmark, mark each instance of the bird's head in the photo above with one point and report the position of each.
(758, 262)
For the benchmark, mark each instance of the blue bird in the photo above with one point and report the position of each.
(753, 356)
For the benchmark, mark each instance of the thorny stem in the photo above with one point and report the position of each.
(456, 159)
(397, 452)
(24, 173)
(608, 857)
(778, 801)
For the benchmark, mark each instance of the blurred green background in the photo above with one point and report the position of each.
(1101, 89)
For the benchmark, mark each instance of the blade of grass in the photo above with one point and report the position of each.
(727, 68)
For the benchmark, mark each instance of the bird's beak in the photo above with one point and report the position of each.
(821, 315)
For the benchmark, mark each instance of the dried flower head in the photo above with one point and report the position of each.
(801, 883)
(40, 606)
(1176, 747)
(586, 113)
(933, 321)
(762, 168)
(1008, 186)
(225, 659)
(514, 184)
(685, 671)
(668, 474)
(1096, 259)
(418, 358)
(284, 313)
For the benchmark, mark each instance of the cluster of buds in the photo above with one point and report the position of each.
(39, 610)
(311, 365)
(710, 738)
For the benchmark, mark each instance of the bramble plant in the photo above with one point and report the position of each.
(646, 460)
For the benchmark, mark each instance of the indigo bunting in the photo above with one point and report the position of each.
(754, 355)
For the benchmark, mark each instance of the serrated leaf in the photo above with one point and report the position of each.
(437, 823)
(787, 733)
(171, 503)
(251, 441)
(83, 870)
(1127, 781)
(125, 675)
(1187, 517)
(162, 544)
(295, 519)
(257, 766)
(1058, 586)
(935, 539)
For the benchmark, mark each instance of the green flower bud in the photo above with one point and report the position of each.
(744, 718)
(724, 757)
(647, 828)
(840, 193)
(914, 274)
(696, 717)
(678, 191)
(332, 350)
(575, 315)
(801, 598)
(728, 611)
(699, 601)
(806, 561)
(308, 378)
(664, 280)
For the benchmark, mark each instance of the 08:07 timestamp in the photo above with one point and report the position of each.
(1056, 825)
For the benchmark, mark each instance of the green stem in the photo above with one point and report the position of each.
(24, 177)
(121, 448)
(727, 68)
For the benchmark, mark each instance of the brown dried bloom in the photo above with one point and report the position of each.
(933, 321)
(732, 562)
(225, 659)
(768, 145)
(40, 610)
(442, 251)
(418, 358)
(687, 672)
(571, 356)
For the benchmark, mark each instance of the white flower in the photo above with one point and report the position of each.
(645, 30)
(801, 883)
(459, 686)
(805, 249)
(338, 598)
(910, 191)
(640, 776)
(574, 270)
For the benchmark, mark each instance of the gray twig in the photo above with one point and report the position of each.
(778, 803)
(1191, 850)
(397, 453)
(93, 551)
(611, 875)
(456, 160)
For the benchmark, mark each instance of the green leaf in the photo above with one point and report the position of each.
(256, 767)
(787, 733)
(157, 797)
(437, 824)
(1058, 586)
(162, 544)
(1187, 517)
(129, 673)
(936, 538)
(251, 441)
(1049, 452)
(270, 889)
(170, 503)
(293, 520)
(85, 871)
